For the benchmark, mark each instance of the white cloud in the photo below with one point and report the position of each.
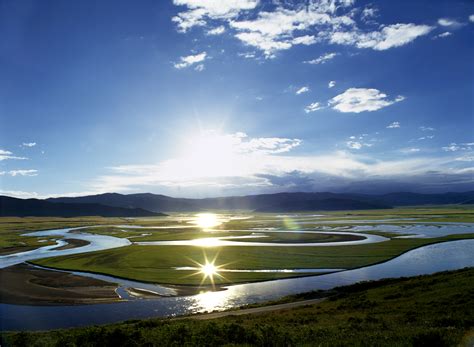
(368, 13)
(443, 35)
(14, 173)
(28, 144)
(471, 18)
(331, 84)
(294, 23)
(428, 137)
(393, 125)
(356, 144)
(424, 128)
(468, 157)
(224, 167)
(247, 55)
(199, 11)
(322, 59)
(454, 147)
(199, 67)
(4, 155)
(389, 36)
(313, 107)
(216, 31)
(304, 40)
(302, 90)
(410, 150)
(358, 100)
(19, 194)
(190, 60)
(278, 30)
(449, 22)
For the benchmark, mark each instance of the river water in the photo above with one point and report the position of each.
(424, 260)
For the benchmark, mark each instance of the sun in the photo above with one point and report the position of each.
(207, 220)
(209, 270)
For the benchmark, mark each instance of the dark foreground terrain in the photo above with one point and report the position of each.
(435, 310)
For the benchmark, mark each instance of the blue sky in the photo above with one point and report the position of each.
(205, 98)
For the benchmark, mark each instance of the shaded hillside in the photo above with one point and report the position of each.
(322, 205)
(157, 203)
(10, 207)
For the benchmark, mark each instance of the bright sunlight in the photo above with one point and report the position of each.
(209, 270)
(207, 220)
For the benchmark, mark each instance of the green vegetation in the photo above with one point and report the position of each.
(156, 263)
(402, 312)
(11, 229)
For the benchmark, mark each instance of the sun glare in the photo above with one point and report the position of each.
(207, 220)
(209, 269)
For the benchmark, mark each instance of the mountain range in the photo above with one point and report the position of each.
(147, 204)
(13, 207)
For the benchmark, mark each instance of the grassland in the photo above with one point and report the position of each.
(402, 312)
(11, 229)
(157, 263)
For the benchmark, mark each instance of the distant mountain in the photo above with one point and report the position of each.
(407, 199)
(307, 201)
(322, 205)
(10, 207)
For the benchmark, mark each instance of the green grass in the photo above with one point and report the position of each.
(11, 229)
(433, 310)
(155, 263)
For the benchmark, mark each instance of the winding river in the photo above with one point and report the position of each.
(424, 260)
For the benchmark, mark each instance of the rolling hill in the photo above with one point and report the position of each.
(10, 207)
(271, 202)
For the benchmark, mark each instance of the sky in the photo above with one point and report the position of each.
(200, 98)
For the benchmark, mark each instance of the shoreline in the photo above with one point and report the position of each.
(24, 284)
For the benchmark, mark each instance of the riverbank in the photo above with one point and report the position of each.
(424, 310)
(26, 285)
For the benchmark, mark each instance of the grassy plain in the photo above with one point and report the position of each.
(156, 263)
(401, 312)
(11, 229)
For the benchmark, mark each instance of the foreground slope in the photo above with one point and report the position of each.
(434, 310)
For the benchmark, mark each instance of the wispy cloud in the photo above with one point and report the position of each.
(262, 163)
(20, 194)
(449, 22)
(5, 155)
(313, 107)
(358, 100)
(293, 23)
(322, 59)
(425, 128)
(190, 60)
(389, 36)
(28, 144)
(393, 125)
(411, 150)
(443, 35)
(217, 30)
(302, 90)
(331, 84)
(454, 147)
(30, 172)
(199, 12)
